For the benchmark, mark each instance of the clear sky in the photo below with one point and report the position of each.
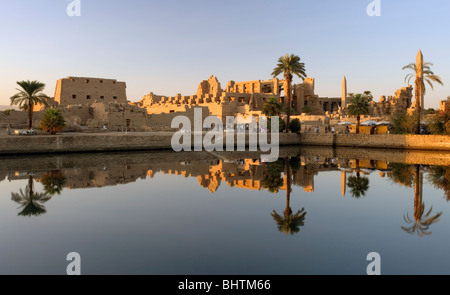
(169, 46)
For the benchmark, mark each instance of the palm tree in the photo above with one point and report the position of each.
(428, 76)
(28, 96)
(53, 121)
(421, 223)
(289, 65)
(359, 105)
(369, 95)
(288, 223)
(30, 201)
(422, 73)
(358, 185)
(272, 107)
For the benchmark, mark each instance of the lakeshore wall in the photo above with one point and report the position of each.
(387, 141)
(116, 141)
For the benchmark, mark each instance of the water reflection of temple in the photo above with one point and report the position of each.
(239, 173)
(243, 171)
(248, 174)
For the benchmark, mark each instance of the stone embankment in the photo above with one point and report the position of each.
(135, 141)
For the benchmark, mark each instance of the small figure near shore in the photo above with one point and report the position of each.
(9, 129)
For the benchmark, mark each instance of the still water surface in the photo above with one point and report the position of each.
(314, 211)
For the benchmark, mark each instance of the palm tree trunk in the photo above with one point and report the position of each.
(30, 116)
(288, 93)
(358, 120)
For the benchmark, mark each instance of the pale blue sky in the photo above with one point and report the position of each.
(168, 47)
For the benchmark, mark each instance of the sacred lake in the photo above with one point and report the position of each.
(317, 210)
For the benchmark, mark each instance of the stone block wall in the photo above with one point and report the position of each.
(83, 90)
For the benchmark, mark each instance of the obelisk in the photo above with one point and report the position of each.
(419, 77)
(344, 94)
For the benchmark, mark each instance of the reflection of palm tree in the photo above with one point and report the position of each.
(272, 179)
(421, 223)
(358, 185)
(30, 201)
(402, 174)
(53, 182)
(289, 224)
(440, 177)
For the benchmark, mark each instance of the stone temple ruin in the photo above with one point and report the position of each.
(93, 103)
(244, 98)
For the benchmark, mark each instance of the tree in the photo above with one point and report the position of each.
(30, 201)
(422, 73)
(296, 126)
(28, 96)
(53, 121)
(359, 105)
(369, 95)
(428, 76)
(358, 185)
(440, 123)
(272, 107)
(289, 65)
(404, 123)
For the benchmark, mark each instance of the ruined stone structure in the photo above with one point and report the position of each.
(238, 98)
(444, 104)
(400, 102)
(81, 90)
(98, 102)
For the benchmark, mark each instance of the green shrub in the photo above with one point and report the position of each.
(52, 121)
(295, 126)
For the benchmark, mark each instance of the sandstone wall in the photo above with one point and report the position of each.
(81, 90)
(394, 141)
